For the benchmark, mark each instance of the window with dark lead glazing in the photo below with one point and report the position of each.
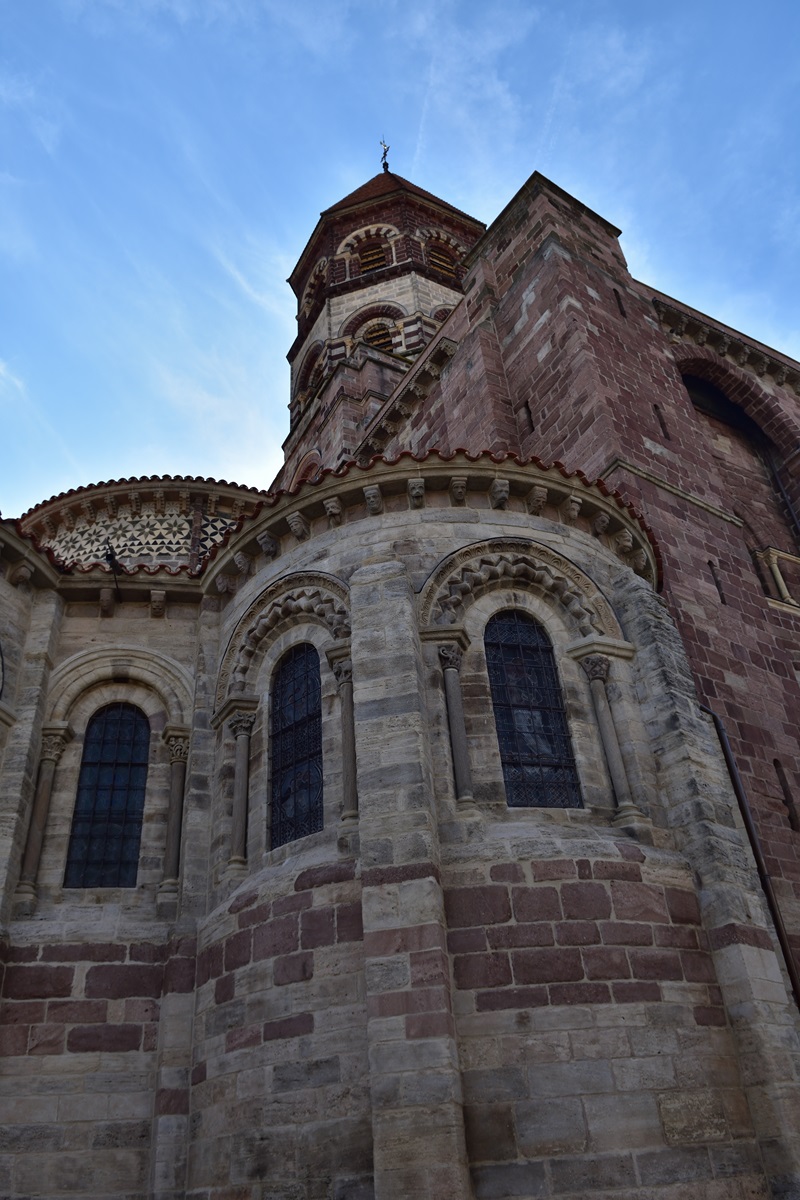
(296, 747)
(535, 747)
(107, 822)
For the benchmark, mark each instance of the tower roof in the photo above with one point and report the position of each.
(386, 183)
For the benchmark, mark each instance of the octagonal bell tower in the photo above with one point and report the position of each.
(378, 276)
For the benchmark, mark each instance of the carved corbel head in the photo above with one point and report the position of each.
(569, 509)
(373, 499)
(600, 524)
(270, 546)
(499, 493)
(458, 490)
(416, 493)
(536, 500)
(298, 525)
(333, 509)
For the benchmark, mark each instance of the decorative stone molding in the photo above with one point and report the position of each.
(536, 500)
(176, 739)
(373, 499)
(342, 671)
(472, 573)
(107, 598)
(299, 526)
(596, 666)
(333, 510)
(450, 660)
(55, 737)
(628, 814)
(313, 598)
(692, 327)
(241, 723)
(569, 509)
(416, 493)
(499, 493)
(458, 491)
(270, 546)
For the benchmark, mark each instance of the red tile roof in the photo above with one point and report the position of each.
(387, 184)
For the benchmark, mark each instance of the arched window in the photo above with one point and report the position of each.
(372, 257)
(107, 822)
(296, 747)
(535, 747)
(379, 336)
(441, 258)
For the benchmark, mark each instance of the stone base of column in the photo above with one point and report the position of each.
(237, 868)
(167, 899)
(24, 902)
(348, 840)
(633, 822)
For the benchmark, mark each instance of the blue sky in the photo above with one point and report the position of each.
(162, 163)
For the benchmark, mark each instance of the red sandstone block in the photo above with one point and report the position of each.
(579, 993)
(576, 933)
(118, 981)
(547, 966)
(24, 1012)
(430, 1025)
(13, 1040)
(384, 942)
(585, 900)
(681, 937)
(638, 902)
(242, 901)
(138, 1010)
(707, 1015)
(604, 962)
(147, 952)
(465, 941)
(254, 916)
(199, 1073)
(487, 905)
(83, 952)
(210, 963)
(349, 922)
(46, 1039)
(698, 967)
(238, 949)
(635, 993)
(225, 988)
(314, 877)
(747, 935)
(289, 1027)
(536, 904)
(656, 964)
(503, 937)
(241, 1039)
(278, 936)
(683, 906)
(86, 1038)
(481, 971)
(172, 1102)
(150, 1037)
(179, 975)
(37, 983)
(626, 933)
(21, 954)
(290, 904)
(317, 928)
(429, 967)
(293, 968)
(617, 870)
(507, 873)
(526, 997)
(77, 1012)
(584, 868)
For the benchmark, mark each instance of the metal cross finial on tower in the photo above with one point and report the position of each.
(385, 155)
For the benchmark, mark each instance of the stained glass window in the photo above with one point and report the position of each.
(296, 746)
(535, 747)
(107, 822)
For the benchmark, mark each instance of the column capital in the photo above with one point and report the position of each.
(450, 656)
(55, 737)
(241, 723)
(596, 666)
(233, 705)
(176, 738)
(343, 671)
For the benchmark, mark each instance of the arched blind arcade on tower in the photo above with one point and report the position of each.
(535, 747)
(296, 747)
(107, 822)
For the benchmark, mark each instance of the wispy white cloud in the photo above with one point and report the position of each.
(42, 113)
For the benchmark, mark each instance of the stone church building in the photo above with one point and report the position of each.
(426, 827)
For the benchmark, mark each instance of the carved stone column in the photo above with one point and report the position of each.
(596, 667)
(54, 739)
(241, 725)
(450, 658)
(177, 739)
(343, 673)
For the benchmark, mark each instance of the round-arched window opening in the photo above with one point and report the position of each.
(442, 259)
(379, 336)
(372, 256)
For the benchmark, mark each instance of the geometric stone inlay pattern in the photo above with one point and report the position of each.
(136, 537)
